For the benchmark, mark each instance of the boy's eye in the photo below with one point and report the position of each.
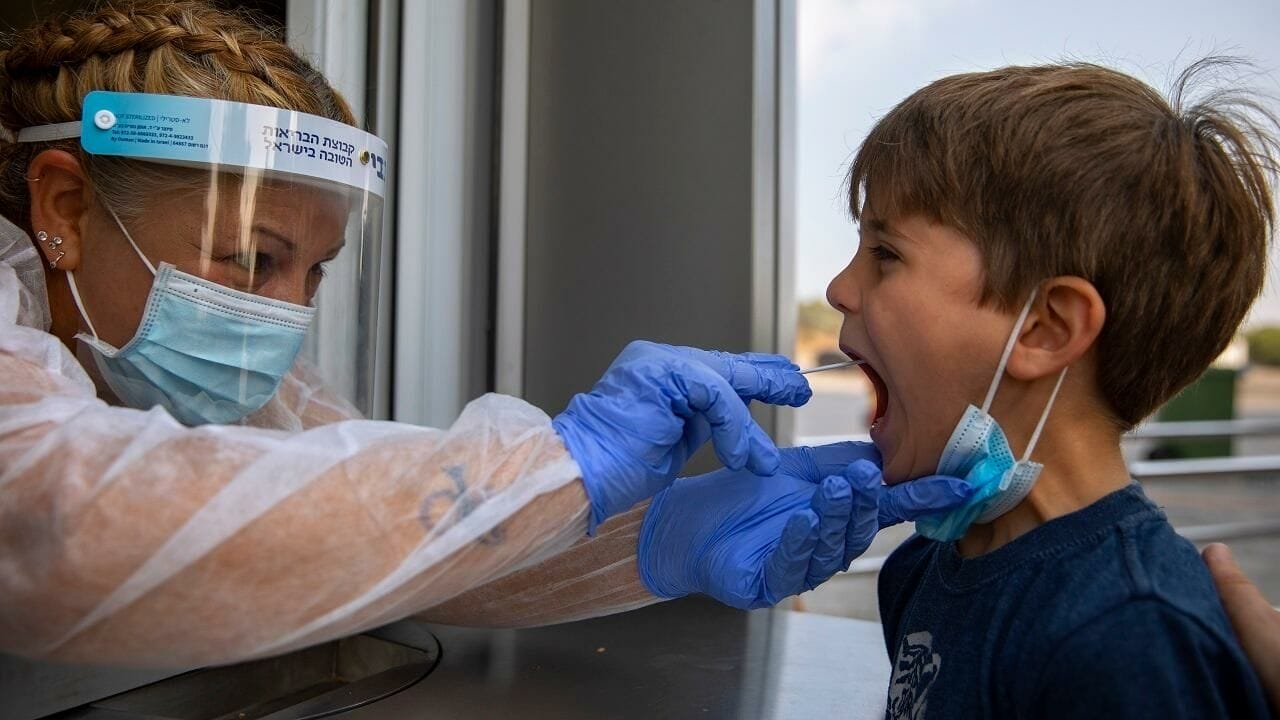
(882, 253)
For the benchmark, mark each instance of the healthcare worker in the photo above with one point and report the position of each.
(177, 487)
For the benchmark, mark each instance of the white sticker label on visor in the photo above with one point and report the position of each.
(202, 131)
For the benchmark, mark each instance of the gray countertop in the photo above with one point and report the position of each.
(688, 658)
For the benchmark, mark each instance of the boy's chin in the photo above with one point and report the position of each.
(895, 467)
(895, 475)
(895, 471)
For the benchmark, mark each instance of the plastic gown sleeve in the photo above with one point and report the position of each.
(593, 577)
(596, 576)
(128, 538)
(302, 402)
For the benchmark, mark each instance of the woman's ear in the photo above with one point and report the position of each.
(1063, 325)
(59, 206)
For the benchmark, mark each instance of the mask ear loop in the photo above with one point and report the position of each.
(1004, 362)
(71, 276)
(1044, 416)
(63, 131)
(129, 237)
(1008, 350)
(75, 295)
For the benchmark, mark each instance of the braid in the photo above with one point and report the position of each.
(174, 47)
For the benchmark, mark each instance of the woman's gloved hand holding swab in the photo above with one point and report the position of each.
(657, 404)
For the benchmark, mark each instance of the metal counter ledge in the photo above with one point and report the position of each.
(689, 658)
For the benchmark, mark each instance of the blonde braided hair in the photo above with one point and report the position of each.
(174, 47)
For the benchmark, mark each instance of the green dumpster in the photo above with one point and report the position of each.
(1212, 397)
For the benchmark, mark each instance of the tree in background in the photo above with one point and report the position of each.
(817, 333)
(816, 317)
(1264, 346)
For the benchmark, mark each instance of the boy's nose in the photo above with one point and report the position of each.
(842, 291)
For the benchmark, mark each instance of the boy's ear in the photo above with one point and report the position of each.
(58, 205)
(1063, 325)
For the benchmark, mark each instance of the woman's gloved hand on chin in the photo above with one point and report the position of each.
(657, 404)
(751, 541)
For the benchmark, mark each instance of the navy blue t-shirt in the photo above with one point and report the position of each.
(1103, 613)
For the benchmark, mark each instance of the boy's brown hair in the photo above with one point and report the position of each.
(1076, 169)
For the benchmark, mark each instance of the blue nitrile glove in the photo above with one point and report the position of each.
(749, 541)
(657, 404)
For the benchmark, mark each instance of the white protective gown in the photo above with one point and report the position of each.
(128, 538)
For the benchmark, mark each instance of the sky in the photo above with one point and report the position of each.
(857, 58)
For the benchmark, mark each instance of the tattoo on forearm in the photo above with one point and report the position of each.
(439, 505)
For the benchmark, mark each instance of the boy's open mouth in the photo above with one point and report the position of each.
(881, 390)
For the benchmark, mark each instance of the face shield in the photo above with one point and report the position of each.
(251, 232)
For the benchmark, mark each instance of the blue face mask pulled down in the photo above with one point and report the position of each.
(979, 452)
(205, 352)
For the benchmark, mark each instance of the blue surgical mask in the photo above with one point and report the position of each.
(979, 452)
(205, 352)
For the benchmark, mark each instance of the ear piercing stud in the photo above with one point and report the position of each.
(53, 244)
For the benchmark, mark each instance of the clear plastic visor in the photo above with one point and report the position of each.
(287, 240)
(222, 225)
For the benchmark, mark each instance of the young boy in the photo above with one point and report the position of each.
(1026, 223)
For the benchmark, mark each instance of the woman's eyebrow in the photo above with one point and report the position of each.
(292, 246)
(276, 235)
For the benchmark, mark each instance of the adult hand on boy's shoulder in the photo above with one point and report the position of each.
(1144, 659)
(1256, 622)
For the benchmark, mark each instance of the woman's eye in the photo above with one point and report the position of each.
(251, 262)
(883, 254)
